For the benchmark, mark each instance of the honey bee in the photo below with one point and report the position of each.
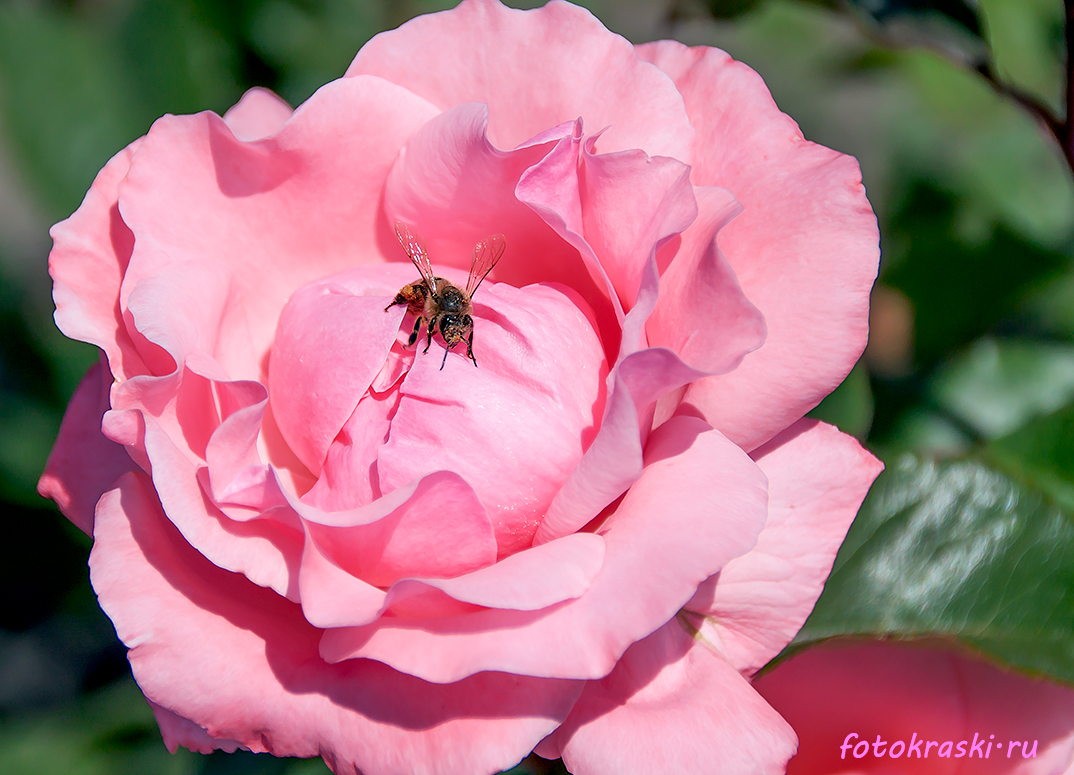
(438, 303)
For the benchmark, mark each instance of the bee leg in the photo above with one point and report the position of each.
(429, 334)
(470, 347)
(414, 334)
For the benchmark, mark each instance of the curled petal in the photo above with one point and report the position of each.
(240, 663)
(258, 114)
(84, 463)
(631, 204)
(90, 253)
(817, 479)
(700, 502)
(233, 218)
(805, 220)
(450, 159)
(672, 705)
(702, 313)
(441, 530)
(329, 346)
(529, 75)
(614, 461)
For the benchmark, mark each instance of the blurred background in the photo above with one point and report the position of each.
(972, 346)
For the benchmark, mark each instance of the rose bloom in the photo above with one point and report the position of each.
(870, 696)
(316, 542)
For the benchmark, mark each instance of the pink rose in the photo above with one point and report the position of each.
(314, 541)
(853, 704)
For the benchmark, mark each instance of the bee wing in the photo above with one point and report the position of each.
(486, 253)
(414, 247)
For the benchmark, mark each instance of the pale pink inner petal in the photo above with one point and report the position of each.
(535, 399)
(529, 580)
(700, 502)
(329, 345)
(454, 187)
(614, 461)
(349, 478)
(440, 531)
(330, 595)
(631, 204)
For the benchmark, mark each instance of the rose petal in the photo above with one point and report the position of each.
(529, 580)
(805, 220)
(543, 67)
(349, 477)
(178, 731)
(331, 596)
(241, 663)
(901, 691)
(441, 530)
(699, 503)
(534, 399)
(329, 346)
(266, 550)
(817, 479)
(614, 461)
(259, 219)
(701, 313)
(84, 463)
(456, 188)
(631, 205)
(671, 705)
(258, 114)
(90, 253)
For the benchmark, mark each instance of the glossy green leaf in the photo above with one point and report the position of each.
(958, 550)
(998, 385)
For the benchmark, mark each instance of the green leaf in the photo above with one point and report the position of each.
(1042, 452)
(958, 288)
(850, 406)
(956, 550)
(112, 731)
(65, 102)
(998, 385)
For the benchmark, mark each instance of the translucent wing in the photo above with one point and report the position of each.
(486, 253)
(414, 247)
